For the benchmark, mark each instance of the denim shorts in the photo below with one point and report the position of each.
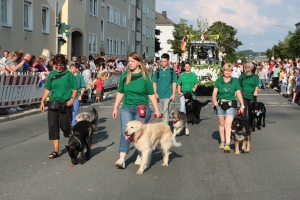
(228, 112)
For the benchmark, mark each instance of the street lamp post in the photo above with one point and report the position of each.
(273, 42)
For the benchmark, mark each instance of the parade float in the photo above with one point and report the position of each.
(196, 53)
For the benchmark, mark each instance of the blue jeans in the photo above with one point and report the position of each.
(182, 103)
(129, 114)
(283, 87)
(75, 111)
(263, 83)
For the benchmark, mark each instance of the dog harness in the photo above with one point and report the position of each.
(241, 136)
(77, 140)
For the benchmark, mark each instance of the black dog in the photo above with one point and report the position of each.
(193, 107)
(241, 131)
(82, 136)
(257, 111)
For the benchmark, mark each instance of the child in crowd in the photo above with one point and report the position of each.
(283, 79)
(99, 84)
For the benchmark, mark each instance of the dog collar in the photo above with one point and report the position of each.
(258, 112)
(132, 139)
(174, 122)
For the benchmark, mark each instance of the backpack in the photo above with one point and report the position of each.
(171, 72)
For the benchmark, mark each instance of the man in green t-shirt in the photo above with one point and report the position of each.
(164, 85)
(187, 82)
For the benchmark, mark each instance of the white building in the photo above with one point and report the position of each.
(165, 26)
(112, 26)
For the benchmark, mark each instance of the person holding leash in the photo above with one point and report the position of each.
(187, 82)
(224, 99)
(135, 88)
(164, 85)
(62, 88)
(249, 83)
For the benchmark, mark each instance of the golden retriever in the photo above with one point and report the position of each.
(147, 136)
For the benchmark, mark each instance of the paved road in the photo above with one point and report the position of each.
(197, 170)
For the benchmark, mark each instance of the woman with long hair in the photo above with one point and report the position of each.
(135, 88)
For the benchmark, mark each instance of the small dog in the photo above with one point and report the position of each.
(82, 136)
(91, 116)
(257, 111)
(241, 131)
(147, 136)
(193, 107)
(179, 122)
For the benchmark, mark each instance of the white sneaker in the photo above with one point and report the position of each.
(138, 160)
(12, 110)
(120, 163)
(18, 108)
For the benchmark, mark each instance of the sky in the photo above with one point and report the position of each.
(250, 17)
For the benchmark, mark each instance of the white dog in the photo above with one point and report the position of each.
(147, 136)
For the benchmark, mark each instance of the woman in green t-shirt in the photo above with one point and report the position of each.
(226, 89)
(63, 87)
(187, 82)
(249, 83)
(135, 88)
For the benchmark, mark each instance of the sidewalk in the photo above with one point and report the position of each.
(35, 109)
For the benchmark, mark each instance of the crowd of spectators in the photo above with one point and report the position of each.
(280, 75)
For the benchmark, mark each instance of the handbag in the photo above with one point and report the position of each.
(55, 105)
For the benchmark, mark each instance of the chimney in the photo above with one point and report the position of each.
(164, 13)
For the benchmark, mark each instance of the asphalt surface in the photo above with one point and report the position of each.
(197, 170)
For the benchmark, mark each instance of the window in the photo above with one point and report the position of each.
(110, 14)
(144, 8)
(128, 36)
(45, 19)
(133, 2)
(102, 29)
(123, 20)
(28, 12)
(6, 13)
(93, 43)
(144, 29)
(133, 24)
(148, 11)
(132, 47)
(117, 16)
(109, 45)
(123, 44)
(94, 8)
(117, 47)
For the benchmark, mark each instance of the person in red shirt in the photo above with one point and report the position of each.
(99, 87)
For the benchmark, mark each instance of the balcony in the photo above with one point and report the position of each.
(138, 13)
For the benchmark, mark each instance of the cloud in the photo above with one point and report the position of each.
(272, 1)
(240, 14)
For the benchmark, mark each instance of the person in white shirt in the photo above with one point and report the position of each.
(236, 71)
(91, 63)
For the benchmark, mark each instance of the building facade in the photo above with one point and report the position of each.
(297, 26)
(165, 28)
(111, 26)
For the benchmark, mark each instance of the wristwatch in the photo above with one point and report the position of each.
(157, 109)
(242, 106)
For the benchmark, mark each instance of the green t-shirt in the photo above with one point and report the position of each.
(80, 84)
(226, 90)
(137, 91)
(248, 85)
(164, 86)
(187, 81)
(61, 88)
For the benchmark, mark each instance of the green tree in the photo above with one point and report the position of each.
(294, 44)
(180, 30)
(226, 36)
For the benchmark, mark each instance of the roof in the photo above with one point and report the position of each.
(161, 19)
(297, 24)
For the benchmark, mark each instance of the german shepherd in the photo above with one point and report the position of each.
(241, 132)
